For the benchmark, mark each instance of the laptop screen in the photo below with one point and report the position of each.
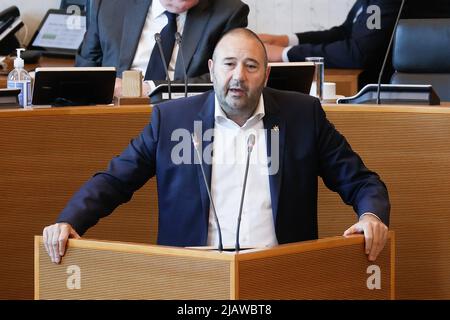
(60, 33)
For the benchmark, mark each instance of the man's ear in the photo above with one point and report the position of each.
(211, 67)
(267, 75)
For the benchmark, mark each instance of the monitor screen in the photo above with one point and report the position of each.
(60, 32)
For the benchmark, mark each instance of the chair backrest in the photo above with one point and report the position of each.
(421, 54)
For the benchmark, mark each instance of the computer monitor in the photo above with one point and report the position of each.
(59, 34)
(74, 86)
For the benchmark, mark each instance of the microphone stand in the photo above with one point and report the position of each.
(178, 39)
(169, 82)
(196, 147)
(387, 53)
(250, 145)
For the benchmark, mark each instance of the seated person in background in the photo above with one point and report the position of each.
(122, 34)
(281, 202)
(351, 45)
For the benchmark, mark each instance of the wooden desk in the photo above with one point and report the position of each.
(46, 155)
(43, 62)
(346, 80)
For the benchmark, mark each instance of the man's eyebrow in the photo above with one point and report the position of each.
(246, 59)
(252, 60)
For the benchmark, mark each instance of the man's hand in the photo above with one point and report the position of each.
(280, 41)
(375, 234)
(274, 53)
(55, 239)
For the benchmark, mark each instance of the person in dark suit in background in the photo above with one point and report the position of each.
(121, 35)
(281, 202)
(354, 45)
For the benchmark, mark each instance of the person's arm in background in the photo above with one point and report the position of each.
(313, 37)
(278, 45)
(90, 52)
(106, 190)
(343, 171)
(362, 49)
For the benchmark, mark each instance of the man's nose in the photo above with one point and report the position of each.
(239, 72)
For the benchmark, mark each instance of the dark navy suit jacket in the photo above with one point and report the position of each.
(114, 32)
(310, 146)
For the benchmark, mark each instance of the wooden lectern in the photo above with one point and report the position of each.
(331, 268)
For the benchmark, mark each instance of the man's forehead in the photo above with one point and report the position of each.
(239, 47)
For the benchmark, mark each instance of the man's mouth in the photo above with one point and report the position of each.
(237, 92)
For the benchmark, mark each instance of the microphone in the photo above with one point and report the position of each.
(387, 53)
(178, 39)
(169, 83)
(250, 144)
(196, 144)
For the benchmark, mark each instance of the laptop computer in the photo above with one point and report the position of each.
(59, 34)
(291, 76)
(71, 86)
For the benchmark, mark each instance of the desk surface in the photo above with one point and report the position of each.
(125, 109)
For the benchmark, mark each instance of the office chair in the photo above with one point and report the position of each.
(421, 54)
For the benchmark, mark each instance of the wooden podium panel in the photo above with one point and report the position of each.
(334, 268)
(324, 269)
(111, 270)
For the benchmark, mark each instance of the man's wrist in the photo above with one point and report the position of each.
(369, 213)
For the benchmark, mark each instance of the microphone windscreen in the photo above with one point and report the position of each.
(251, 141)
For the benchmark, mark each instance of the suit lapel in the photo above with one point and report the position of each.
(196, 21)
(275, 128)
(206, 116)
(131, 32)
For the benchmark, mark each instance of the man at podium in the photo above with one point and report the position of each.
(272, 144)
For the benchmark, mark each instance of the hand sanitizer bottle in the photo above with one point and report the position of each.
(19, 78)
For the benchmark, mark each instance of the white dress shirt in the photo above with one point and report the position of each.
(228, 168)
(293, 41)
(156, 20)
